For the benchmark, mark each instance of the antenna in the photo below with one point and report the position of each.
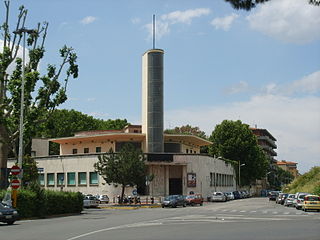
(154, 31)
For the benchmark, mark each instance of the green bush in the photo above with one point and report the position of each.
(37, 202)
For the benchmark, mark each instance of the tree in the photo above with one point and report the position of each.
(188, 130)
(277, 177)
(126, 168)
(249, 4)
(43, 92)
(235, 141)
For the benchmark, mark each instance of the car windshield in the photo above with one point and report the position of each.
(168, 198)
(312, 198)
(3, 206)
(217, 194)
(190, 197)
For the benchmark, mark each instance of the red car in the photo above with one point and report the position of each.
(194, 199)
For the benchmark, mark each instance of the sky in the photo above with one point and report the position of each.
(261, 67)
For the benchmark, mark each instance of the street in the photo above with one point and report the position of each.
(254, 218)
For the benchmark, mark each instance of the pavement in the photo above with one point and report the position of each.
(128, 206)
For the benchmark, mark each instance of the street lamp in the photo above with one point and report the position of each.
(22, 31)
(240, 165)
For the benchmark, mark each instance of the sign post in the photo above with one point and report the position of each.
(15, 184)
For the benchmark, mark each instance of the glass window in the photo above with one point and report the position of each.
(93, 178)
(82, 178)
(98, 149)
(60, 179)
(71, 178)
(86, 150)
(41, 179)
(74, 151)
(50, 179)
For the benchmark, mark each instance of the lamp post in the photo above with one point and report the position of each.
(20, 154)
(240, 165)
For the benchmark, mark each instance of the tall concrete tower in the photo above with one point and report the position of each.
(152, 99)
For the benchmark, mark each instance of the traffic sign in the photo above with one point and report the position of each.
(15, 183)
(15, 170)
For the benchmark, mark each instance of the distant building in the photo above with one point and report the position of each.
(289, 166)
(267, 142)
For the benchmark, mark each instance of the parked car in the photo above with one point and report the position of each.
(194, 199)
(281, 198)
(273, 195)
(217, 197)
(8, 215)
(298, 199)
(229, 195)
(236, 194)
(289, 200)
(311, 202)
(90, 201)
(103, 198)
(174, 201)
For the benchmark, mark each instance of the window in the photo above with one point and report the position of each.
(82, 178)
(71, 178)
(50, 179)
(86, 150)
(187, 150)
(74, 151)
(98, 149)
(60, 179)
(93, 178)
(41, 179)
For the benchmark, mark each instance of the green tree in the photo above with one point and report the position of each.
(42, 92)
(126, 168)
(249, 4)
(235, 141)
(277, 178)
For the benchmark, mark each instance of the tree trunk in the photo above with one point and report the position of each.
(4, 139)
(122, 193)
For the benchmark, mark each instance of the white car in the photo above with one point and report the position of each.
(103, 198)
(298, 199)
(289, 200)
(229, 195)
(217, 197)
(90, 201)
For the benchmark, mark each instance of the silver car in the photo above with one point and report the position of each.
(289, 200)
(103, 198)
(298, 199)
(217, 197)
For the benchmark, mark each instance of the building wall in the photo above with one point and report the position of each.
(105, 147)
(40, 147)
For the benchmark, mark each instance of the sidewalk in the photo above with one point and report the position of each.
(128, 206)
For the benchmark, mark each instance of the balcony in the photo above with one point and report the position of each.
(159, 157)
(269, 140)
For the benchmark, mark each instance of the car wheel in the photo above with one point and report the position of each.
(192, 204)
(10, 222)
(201, 204)
(184, 205)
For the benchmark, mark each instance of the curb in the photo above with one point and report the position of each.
(130, 207)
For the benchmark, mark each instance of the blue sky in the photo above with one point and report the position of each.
(262, 66)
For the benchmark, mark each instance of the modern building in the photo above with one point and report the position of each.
(267, 143)
(173, 159)
(289, 166)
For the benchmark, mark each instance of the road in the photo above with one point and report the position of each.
(254, 218)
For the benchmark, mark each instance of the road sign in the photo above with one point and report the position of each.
(15, 183)
(15, 170)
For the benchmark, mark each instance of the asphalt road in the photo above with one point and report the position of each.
(254, 218)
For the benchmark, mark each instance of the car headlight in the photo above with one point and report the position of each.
(15, 212)
(0, 213)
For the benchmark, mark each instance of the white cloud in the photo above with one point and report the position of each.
(135, 20)
(185, 16)
(88, 20)
(293, 121)
(242, 86)
(309, 84)
(225, 22)
(167, 20)
(289, 21)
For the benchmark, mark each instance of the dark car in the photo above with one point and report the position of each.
(7, 214)
(236, 195)
(174, 201)
(194, 199)
(273, 195)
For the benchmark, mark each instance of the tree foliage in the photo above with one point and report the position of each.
(188, 130)
(235, 141)
(249, 4)
(43, 92)
(277, 177)
(126, 168)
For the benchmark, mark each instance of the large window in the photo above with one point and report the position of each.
(98, 149)
(71, 178)
(41, 179)
(93, 178)
(60, 179)
(86, 150)
(82, 178)
(50, 179)
(74, 151)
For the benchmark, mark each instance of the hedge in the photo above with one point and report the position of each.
(42, 203)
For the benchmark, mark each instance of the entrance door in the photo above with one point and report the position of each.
(175, 186)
